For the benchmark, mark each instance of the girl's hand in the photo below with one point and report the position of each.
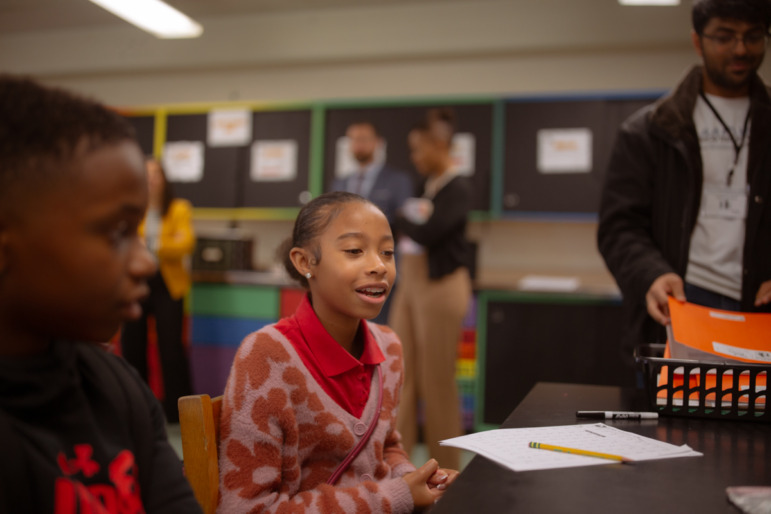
(442, 478)
(422, 495)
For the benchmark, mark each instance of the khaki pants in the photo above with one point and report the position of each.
(427, 315)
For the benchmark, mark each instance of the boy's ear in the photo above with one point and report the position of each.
(301, 260)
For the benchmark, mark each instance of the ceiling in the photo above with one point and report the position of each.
(33, 15)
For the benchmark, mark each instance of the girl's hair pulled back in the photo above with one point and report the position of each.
(312, 220)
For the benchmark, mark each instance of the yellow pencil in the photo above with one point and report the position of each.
(576, 451)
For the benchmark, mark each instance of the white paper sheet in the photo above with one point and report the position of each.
(463, 153)
(509, 446)
(564, 150)
(184, 161)
(229, 127)
(274, 161)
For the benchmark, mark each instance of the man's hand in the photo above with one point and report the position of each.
(668, 284)
(764, 294)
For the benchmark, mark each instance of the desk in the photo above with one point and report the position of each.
(735, 453)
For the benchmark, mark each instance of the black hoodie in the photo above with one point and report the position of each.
(81, 432)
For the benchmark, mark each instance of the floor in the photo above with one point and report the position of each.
(419, 454)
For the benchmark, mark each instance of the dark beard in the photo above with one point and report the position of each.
(728, 82)
(363, 159)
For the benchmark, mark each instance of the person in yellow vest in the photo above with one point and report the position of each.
(168, 231)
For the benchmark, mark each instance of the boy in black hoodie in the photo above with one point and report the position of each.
(79, 430)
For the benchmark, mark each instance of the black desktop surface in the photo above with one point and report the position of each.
(736, 453)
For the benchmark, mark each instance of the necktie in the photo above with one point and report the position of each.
(358, 182)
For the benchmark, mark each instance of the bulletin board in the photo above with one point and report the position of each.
(229, 178)
(144, 126)
(513, 168)
(291, 128)
(557, 151)
(219, 185)
(394, 123)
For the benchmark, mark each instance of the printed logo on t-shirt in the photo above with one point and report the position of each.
(717, 136)
(72, 496)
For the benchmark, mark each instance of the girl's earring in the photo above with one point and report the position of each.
(308, 275)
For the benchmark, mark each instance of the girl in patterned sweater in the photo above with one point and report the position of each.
(309, 411)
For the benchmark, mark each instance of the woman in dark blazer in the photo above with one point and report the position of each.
(434, 288)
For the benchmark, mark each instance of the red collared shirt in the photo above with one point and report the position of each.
(343, 377)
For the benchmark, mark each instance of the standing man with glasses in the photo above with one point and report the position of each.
(686, 204)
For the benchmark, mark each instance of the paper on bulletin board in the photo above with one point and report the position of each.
(345, 164)
(229, 127)
(463, 153)
(564, 150)
(274, 160)
(183, 161)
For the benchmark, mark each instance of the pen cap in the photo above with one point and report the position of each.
(590, 414)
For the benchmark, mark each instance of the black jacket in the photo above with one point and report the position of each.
(79, 428)
(651, 197)
(444, 233)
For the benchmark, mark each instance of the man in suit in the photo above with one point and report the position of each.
(373, 179)
(381, 184)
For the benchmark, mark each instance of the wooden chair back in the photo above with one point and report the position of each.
(199, 424)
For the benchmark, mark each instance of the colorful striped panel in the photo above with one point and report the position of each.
(221, 331)
(237, 301)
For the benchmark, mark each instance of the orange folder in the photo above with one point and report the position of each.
(713, 335)
(718, 337)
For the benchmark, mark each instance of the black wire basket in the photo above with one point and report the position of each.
(727, 390)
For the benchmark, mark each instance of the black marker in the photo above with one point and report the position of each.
(603, 414)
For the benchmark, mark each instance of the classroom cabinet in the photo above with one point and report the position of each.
(524, 338)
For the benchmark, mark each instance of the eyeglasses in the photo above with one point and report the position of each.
(753, 40)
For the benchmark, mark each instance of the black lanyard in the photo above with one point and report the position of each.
(737, 146)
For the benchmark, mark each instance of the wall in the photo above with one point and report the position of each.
(385, 50)
(380, 50)
(523, 246)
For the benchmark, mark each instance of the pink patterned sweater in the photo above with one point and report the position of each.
(282, 436)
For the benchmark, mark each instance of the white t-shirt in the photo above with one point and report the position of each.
(717, 242)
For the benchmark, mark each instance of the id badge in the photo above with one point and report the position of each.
(723, 202)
